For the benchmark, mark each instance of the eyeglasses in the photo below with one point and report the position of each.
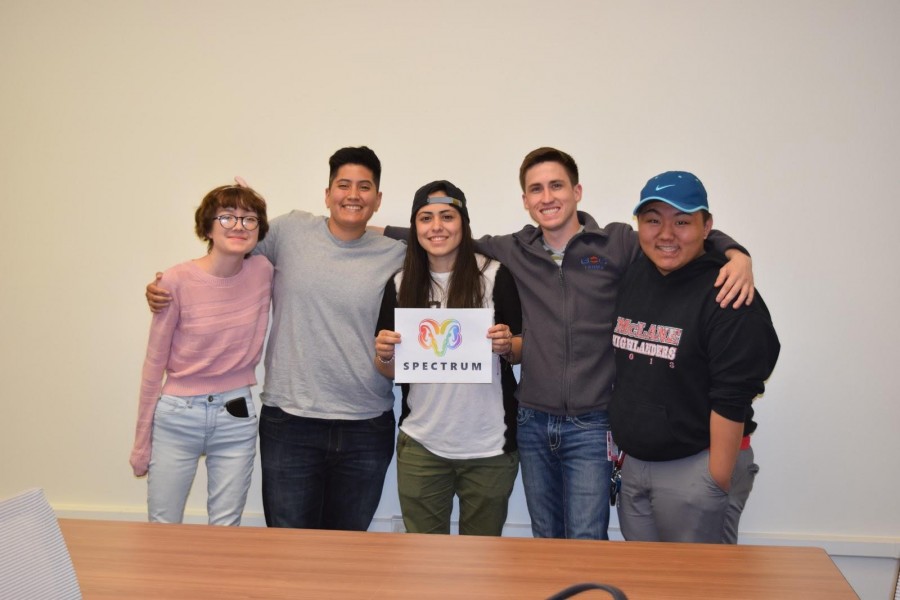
(229, 221)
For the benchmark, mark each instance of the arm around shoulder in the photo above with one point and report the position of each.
(735, 281)
(395, 233)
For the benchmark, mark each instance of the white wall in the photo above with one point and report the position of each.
(116, 117)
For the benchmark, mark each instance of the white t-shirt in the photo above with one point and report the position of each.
(458, 420)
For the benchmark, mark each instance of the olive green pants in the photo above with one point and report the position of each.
(427, 484)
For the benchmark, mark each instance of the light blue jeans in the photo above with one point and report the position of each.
(186, 428)
(566, 473)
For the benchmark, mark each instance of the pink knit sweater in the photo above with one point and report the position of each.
(208, 340)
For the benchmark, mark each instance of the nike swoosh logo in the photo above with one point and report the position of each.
(662, 187)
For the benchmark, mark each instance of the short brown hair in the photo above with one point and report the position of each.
(547, 154)
(228, 196)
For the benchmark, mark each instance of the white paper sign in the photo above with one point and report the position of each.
(443, 345)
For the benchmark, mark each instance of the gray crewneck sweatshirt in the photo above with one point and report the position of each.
(325, 300)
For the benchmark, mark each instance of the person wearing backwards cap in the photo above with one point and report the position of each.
(687, 374)
(454, 439)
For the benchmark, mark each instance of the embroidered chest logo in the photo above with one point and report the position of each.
(594, 263)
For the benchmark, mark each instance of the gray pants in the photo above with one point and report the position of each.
(678, 501)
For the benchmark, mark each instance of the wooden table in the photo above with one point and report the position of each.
(116, 559)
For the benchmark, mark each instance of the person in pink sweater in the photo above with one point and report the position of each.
(201, 361)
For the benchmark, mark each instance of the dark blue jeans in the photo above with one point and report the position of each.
(323, 473)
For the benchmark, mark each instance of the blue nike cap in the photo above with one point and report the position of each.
(677, 188)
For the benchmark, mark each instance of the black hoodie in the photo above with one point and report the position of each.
(680, 356)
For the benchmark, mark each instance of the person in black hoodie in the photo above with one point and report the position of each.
(687, 374)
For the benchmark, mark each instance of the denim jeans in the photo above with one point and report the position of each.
(184, 429)
(323, 473)
(565, 472)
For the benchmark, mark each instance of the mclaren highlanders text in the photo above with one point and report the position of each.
(441, 365)
(652, 340)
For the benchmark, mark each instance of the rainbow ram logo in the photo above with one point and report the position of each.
(440, 337)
